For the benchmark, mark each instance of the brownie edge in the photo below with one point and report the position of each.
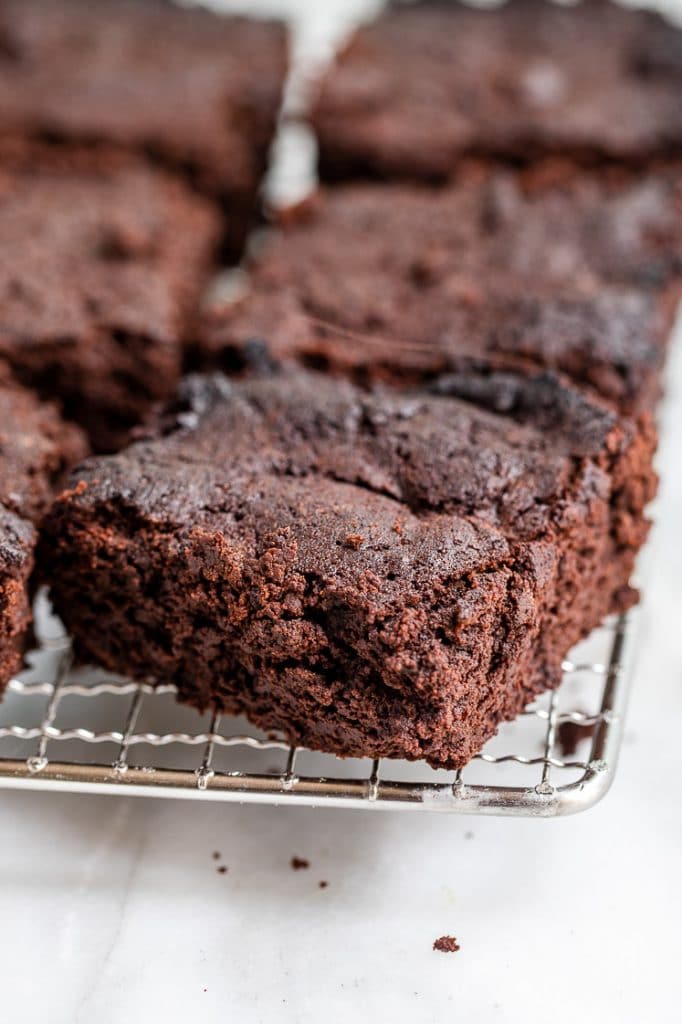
(103, 259)
(17, 543)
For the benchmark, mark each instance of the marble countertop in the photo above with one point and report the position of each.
(113, 910)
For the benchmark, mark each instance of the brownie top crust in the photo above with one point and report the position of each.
(478, 456)
(565, 269)
(431, 81)
(193, 88)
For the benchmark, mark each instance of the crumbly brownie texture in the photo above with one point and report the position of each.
(102, 260)
(373, 573)
(432, 81)
(197, 91)
(36, 448)
(573, 271)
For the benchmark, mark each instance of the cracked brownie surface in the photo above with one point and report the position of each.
(373, 573)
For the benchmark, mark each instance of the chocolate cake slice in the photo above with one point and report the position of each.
(569, 270)
(36, 448)
(102, 261)
(375, 573)
(196, 91)
(430, 82)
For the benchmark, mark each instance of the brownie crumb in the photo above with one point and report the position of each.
(322, 884)
(446, 944)
(222, 870)
(569, 734)
(354, 541)
(299, 863)
(216, 855)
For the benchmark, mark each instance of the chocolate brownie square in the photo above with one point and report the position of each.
(102, 261)
(36, 448)
(196, 91)
(430, 82)
(377, 573)
(569, 270)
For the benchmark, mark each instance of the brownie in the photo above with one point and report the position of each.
(197, 91)
(570, 734)
(17, 544)
(429, 82)
(102, 261)
(570, 270)
(446, 944)
(374, 573)
(36, 448)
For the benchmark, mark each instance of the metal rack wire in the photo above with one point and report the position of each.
(82, 730)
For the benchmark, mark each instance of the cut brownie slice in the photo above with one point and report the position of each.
(574, 271)
(196, 91)
(36, 448)
(431, 81)
(374, 573)
(102, 260)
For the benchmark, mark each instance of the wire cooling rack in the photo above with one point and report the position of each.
(81, 730)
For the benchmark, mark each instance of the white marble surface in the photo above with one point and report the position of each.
(112, 911)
